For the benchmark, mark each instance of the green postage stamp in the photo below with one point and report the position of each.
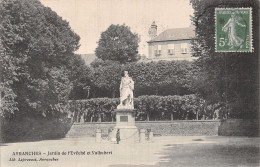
(233, 30)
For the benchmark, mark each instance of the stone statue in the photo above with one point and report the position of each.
(126, 93)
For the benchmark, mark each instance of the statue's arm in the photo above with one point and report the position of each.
(132, 84)
(120, 88)
(225, 26)
(241, 25)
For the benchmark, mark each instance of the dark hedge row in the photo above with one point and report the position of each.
(147, 108)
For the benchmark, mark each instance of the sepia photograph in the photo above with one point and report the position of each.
(129, 83)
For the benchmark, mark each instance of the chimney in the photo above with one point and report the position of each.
(153, 31)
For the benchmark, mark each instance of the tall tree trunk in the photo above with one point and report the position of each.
(171, 116)
(77, 117)
(86, 116)
(197, 115)
(186, 116)
(99, 118)
(147, 117)
(112, 116)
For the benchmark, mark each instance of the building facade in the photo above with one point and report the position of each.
(171, 44)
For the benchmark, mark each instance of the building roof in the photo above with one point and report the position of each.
(153, 24)
(174, 34)
(88, 58)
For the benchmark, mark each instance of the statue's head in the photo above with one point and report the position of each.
(232, 15)
(126, 73)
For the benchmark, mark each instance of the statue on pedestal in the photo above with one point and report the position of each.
(125, 115)
(126, 93)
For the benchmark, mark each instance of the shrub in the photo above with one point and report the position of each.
(146, 108)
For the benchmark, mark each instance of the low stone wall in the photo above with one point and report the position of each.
(182, 128)
(159, 128)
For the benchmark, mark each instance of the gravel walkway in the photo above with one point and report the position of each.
(162, 151)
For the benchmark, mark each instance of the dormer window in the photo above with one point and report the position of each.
(184, 48)
(170, 49)
(158, 50)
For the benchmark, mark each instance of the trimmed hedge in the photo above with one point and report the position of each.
(188, 107)
(161, 78)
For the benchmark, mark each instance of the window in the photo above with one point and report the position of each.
(184, 48)
(170, 49)
(157, 51)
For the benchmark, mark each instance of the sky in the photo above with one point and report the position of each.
(89, 18)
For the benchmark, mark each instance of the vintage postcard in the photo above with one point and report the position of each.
(122, 83)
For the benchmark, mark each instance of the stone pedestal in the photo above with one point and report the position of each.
(125, 121)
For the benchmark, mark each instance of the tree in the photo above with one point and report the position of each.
(36, 48)
(118, 43)
(160, 78)
(107, 78)
(80, 75)
(228, 79)
(7, 75)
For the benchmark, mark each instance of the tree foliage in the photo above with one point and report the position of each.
(106, 78)
(36, 48)
(154, 78)
(118, 43)
(160, 78)
(230, 79)
(7, 70)
(80, 75)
